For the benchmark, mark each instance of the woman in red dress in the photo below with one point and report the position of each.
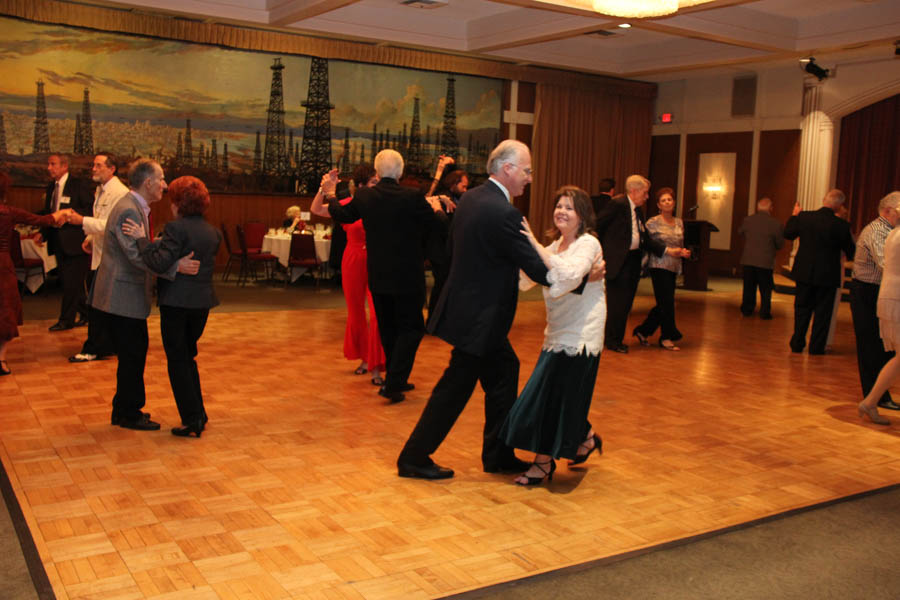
(10, 301)
(361, 339)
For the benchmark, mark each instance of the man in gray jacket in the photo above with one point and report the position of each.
(763, 237)
(122, 291)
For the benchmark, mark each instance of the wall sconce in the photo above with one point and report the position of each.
(714, 188)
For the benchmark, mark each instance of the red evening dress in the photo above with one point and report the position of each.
(10, 300)
(361, 338)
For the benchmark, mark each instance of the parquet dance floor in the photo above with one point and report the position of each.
(292, 490)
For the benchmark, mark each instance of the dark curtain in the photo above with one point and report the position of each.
(869, 158)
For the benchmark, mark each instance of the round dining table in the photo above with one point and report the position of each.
(279, 244)
(32, 250)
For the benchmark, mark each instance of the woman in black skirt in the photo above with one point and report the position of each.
(550, 416)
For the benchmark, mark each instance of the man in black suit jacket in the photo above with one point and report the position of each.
(607, 191)
(620, 227)
(397, 220)
(66, 191)
(475, 312)
(817, 268)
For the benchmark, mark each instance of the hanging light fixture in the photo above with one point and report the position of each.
(639, 9)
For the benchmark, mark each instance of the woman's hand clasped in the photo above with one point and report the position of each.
(132, 229)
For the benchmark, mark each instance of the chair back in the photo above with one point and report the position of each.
(15, 250)
(242, 239)
(254, 232)
(226, 239)
(303, 248)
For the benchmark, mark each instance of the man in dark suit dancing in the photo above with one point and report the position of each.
(66, 191)
(475, 312)
(620, 227)
(397, 220)
(817, 268)
(607, 189)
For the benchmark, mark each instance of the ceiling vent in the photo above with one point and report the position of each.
(424, 3)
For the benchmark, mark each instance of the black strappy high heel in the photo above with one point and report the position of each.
(548, 474)
(598, 445)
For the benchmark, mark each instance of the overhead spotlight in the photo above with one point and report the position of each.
(809, 65)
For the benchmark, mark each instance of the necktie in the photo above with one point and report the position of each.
(56, 197)
(150, 225)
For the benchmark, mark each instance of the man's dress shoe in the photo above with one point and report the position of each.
(81, 322)
(81, 357)
(432, 471)
(141, 424)
(888, 404)
(60, 326)
(620, 348)
(115, 419)
(392, 395)
(514, 465)
(406, 387)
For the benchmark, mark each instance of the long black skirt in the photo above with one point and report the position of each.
(550, 415)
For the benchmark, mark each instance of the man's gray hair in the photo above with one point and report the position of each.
(389, 163)
(765, 203)
(636, 182)
(892, 200)
(140, 171)
(506, 152)
(834, 198)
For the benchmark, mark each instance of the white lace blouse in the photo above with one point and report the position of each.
(575, 322)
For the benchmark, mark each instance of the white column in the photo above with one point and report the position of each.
(816, 146)
(513, 116)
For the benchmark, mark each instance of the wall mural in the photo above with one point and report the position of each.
(242, 121)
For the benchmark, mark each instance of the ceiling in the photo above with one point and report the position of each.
(722, 36)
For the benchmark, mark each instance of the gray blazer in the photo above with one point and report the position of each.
(181, 237)
(763, 237)
(124, 284)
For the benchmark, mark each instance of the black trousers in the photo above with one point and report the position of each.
(440, 271)
(620, 296)
(73, 271)
(870, 353)
(663, 314)
(757, 277)
(130, 341)
(814, 302)
(498, 373)
(98, 341)
(181, 328)
(401, 327)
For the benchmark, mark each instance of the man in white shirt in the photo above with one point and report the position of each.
(109, 190)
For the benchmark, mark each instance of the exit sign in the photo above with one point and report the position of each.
(665, 118)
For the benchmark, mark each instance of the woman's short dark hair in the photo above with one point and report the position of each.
(581, 202)
(189, 195)
(4, 185)
(362, 174)
(667, 190)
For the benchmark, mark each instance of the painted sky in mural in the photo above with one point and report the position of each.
(142, 91)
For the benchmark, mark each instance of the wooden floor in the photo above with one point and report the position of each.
(292, 491)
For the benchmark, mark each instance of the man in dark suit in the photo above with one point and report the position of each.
(607, 191)
(817, 268)
(763, 236)
(620, 227)
(474, 314)
(397, 220)
(74, 264)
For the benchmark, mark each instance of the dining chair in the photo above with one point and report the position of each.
(303, 255)
(233, 255)
(25, 264)
(250, 259)
(255, 232)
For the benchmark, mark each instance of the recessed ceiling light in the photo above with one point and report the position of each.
(625, 25)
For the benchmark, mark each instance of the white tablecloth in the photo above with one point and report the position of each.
(32, 250)
(279, 244)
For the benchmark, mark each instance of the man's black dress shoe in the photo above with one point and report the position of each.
(392, 395)
(888, 404)
(765, 317)
(187, 430)
(60, 326)
(406, 387)
(81, 322)
(432, 471)
(620, 348)
(514, 465)
(115, 419)
(141, 424)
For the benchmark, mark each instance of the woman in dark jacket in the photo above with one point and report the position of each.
(185, 302)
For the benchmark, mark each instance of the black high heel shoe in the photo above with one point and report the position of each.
(187, 430)
(4, 368)
(598, 445)
(548, 474)
(641, 338)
